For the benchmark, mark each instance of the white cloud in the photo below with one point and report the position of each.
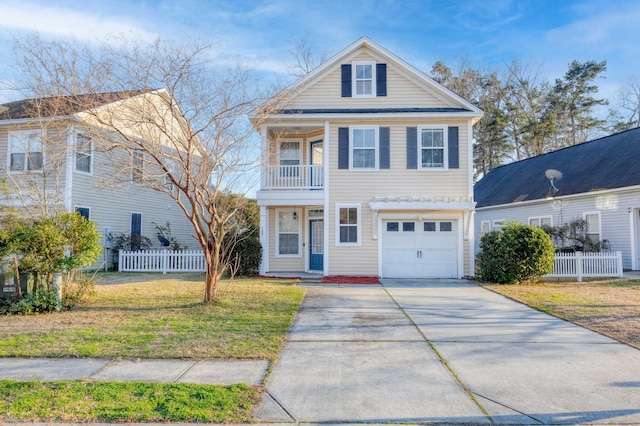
(57, 21)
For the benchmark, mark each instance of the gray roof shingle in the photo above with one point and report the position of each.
(609, 162)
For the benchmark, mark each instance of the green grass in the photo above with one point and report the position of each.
(156, 316)
(84, 401)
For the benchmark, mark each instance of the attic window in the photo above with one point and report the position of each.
(364, 77)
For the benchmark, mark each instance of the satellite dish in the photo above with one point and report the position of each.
(165, 242)
(553, 174)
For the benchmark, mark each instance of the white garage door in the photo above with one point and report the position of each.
(419, 249)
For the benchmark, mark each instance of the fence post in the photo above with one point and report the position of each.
(119, 260)
(163, 261)
(619, 260)
(579, 266)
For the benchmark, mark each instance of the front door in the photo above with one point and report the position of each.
(316, 248)
(316, 159)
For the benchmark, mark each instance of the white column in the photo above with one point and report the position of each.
(327, 213)
(69, 163)
(264, 239)
(264, 157)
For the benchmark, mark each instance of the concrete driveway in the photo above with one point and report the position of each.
(445, 351)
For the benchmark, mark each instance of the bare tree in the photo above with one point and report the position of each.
(307, 59)
(167, 107)
(627, 115)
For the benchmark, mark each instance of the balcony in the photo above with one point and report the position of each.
(293, 177)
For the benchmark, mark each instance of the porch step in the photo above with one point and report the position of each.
(304, 277)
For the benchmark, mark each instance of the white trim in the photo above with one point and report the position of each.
(291, 198)
(300, 235)
(633, 226)
(421, 216)
(498, 223)
(584, 216)
(445, 146)
(371, 116)
(91, 154)
(539, 218)
(299, 141)
(358, 208)
(326, 197)
(469, 157)
(421, 205)
(354, 93)
(69, 166)
(264, 239)
(482, 223)
(376, 148)
(23, 135)
(310, 142)
(308, 218)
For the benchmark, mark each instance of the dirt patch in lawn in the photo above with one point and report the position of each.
(609, 307)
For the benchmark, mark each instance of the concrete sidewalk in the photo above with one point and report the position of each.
(445, 351)
(146, 370)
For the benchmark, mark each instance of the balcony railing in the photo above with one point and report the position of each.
(293, 177)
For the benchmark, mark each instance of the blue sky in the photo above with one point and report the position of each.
(489, 33)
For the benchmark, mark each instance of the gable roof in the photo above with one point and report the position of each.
(335, 61)
(57, 106)
(605, 163)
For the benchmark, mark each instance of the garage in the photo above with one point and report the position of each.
(419, 248)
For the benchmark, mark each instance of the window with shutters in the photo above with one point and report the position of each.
(363, 147)
(83, 211)
(364, 79)
(25, 151)
(432, 147)
(348, 225)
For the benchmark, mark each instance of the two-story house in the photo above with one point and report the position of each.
(367, 170)
(52, 156)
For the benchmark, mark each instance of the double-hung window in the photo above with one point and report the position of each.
(348, 224)
(288, 232)
(84, 153)
(289, 158)
(364, 147)
(364, 79)
(432, 145)
(541, 221)
(593, 226)
(25, 151)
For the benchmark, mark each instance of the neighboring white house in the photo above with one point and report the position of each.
(598, 181)
(48, 155)
(367, 170)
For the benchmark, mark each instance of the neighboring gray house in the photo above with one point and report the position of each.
(49, 156)
(598, 181)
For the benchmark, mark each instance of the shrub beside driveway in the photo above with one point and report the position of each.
(610, 307)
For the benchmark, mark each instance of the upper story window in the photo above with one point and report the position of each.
(84, 153)
(364, 77)
(432, 143)
(364, 146)
(25, 151)
(137, 167)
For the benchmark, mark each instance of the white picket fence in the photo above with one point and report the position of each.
(578, 264)
(161, 261)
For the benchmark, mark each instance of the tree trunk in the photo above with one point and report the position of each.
(213, 272)
(17, 277)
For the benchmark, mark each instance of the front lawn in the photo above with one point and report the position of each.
(85, 401)
(609, 307)
(161, 316)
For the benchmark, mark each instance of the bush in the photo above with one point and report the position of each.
(518, 253)
(78, 288)
(41, 301)
(244, 256)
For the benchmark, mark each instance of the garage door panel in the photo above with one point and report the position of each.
(429, 251)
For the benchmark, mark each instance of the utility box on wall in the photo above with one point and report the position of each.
(8, 284)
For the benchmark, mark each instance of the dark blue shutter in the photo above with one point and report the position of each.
(346, 80)
(83, 211)
(454, 150)
(136, 230)
(343, 148)
(384, 161)
(381, 79)
(412, 147)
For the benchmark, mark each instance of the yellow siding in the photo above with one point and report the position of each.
(349, 186)
(279, 263)
(401, 92)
